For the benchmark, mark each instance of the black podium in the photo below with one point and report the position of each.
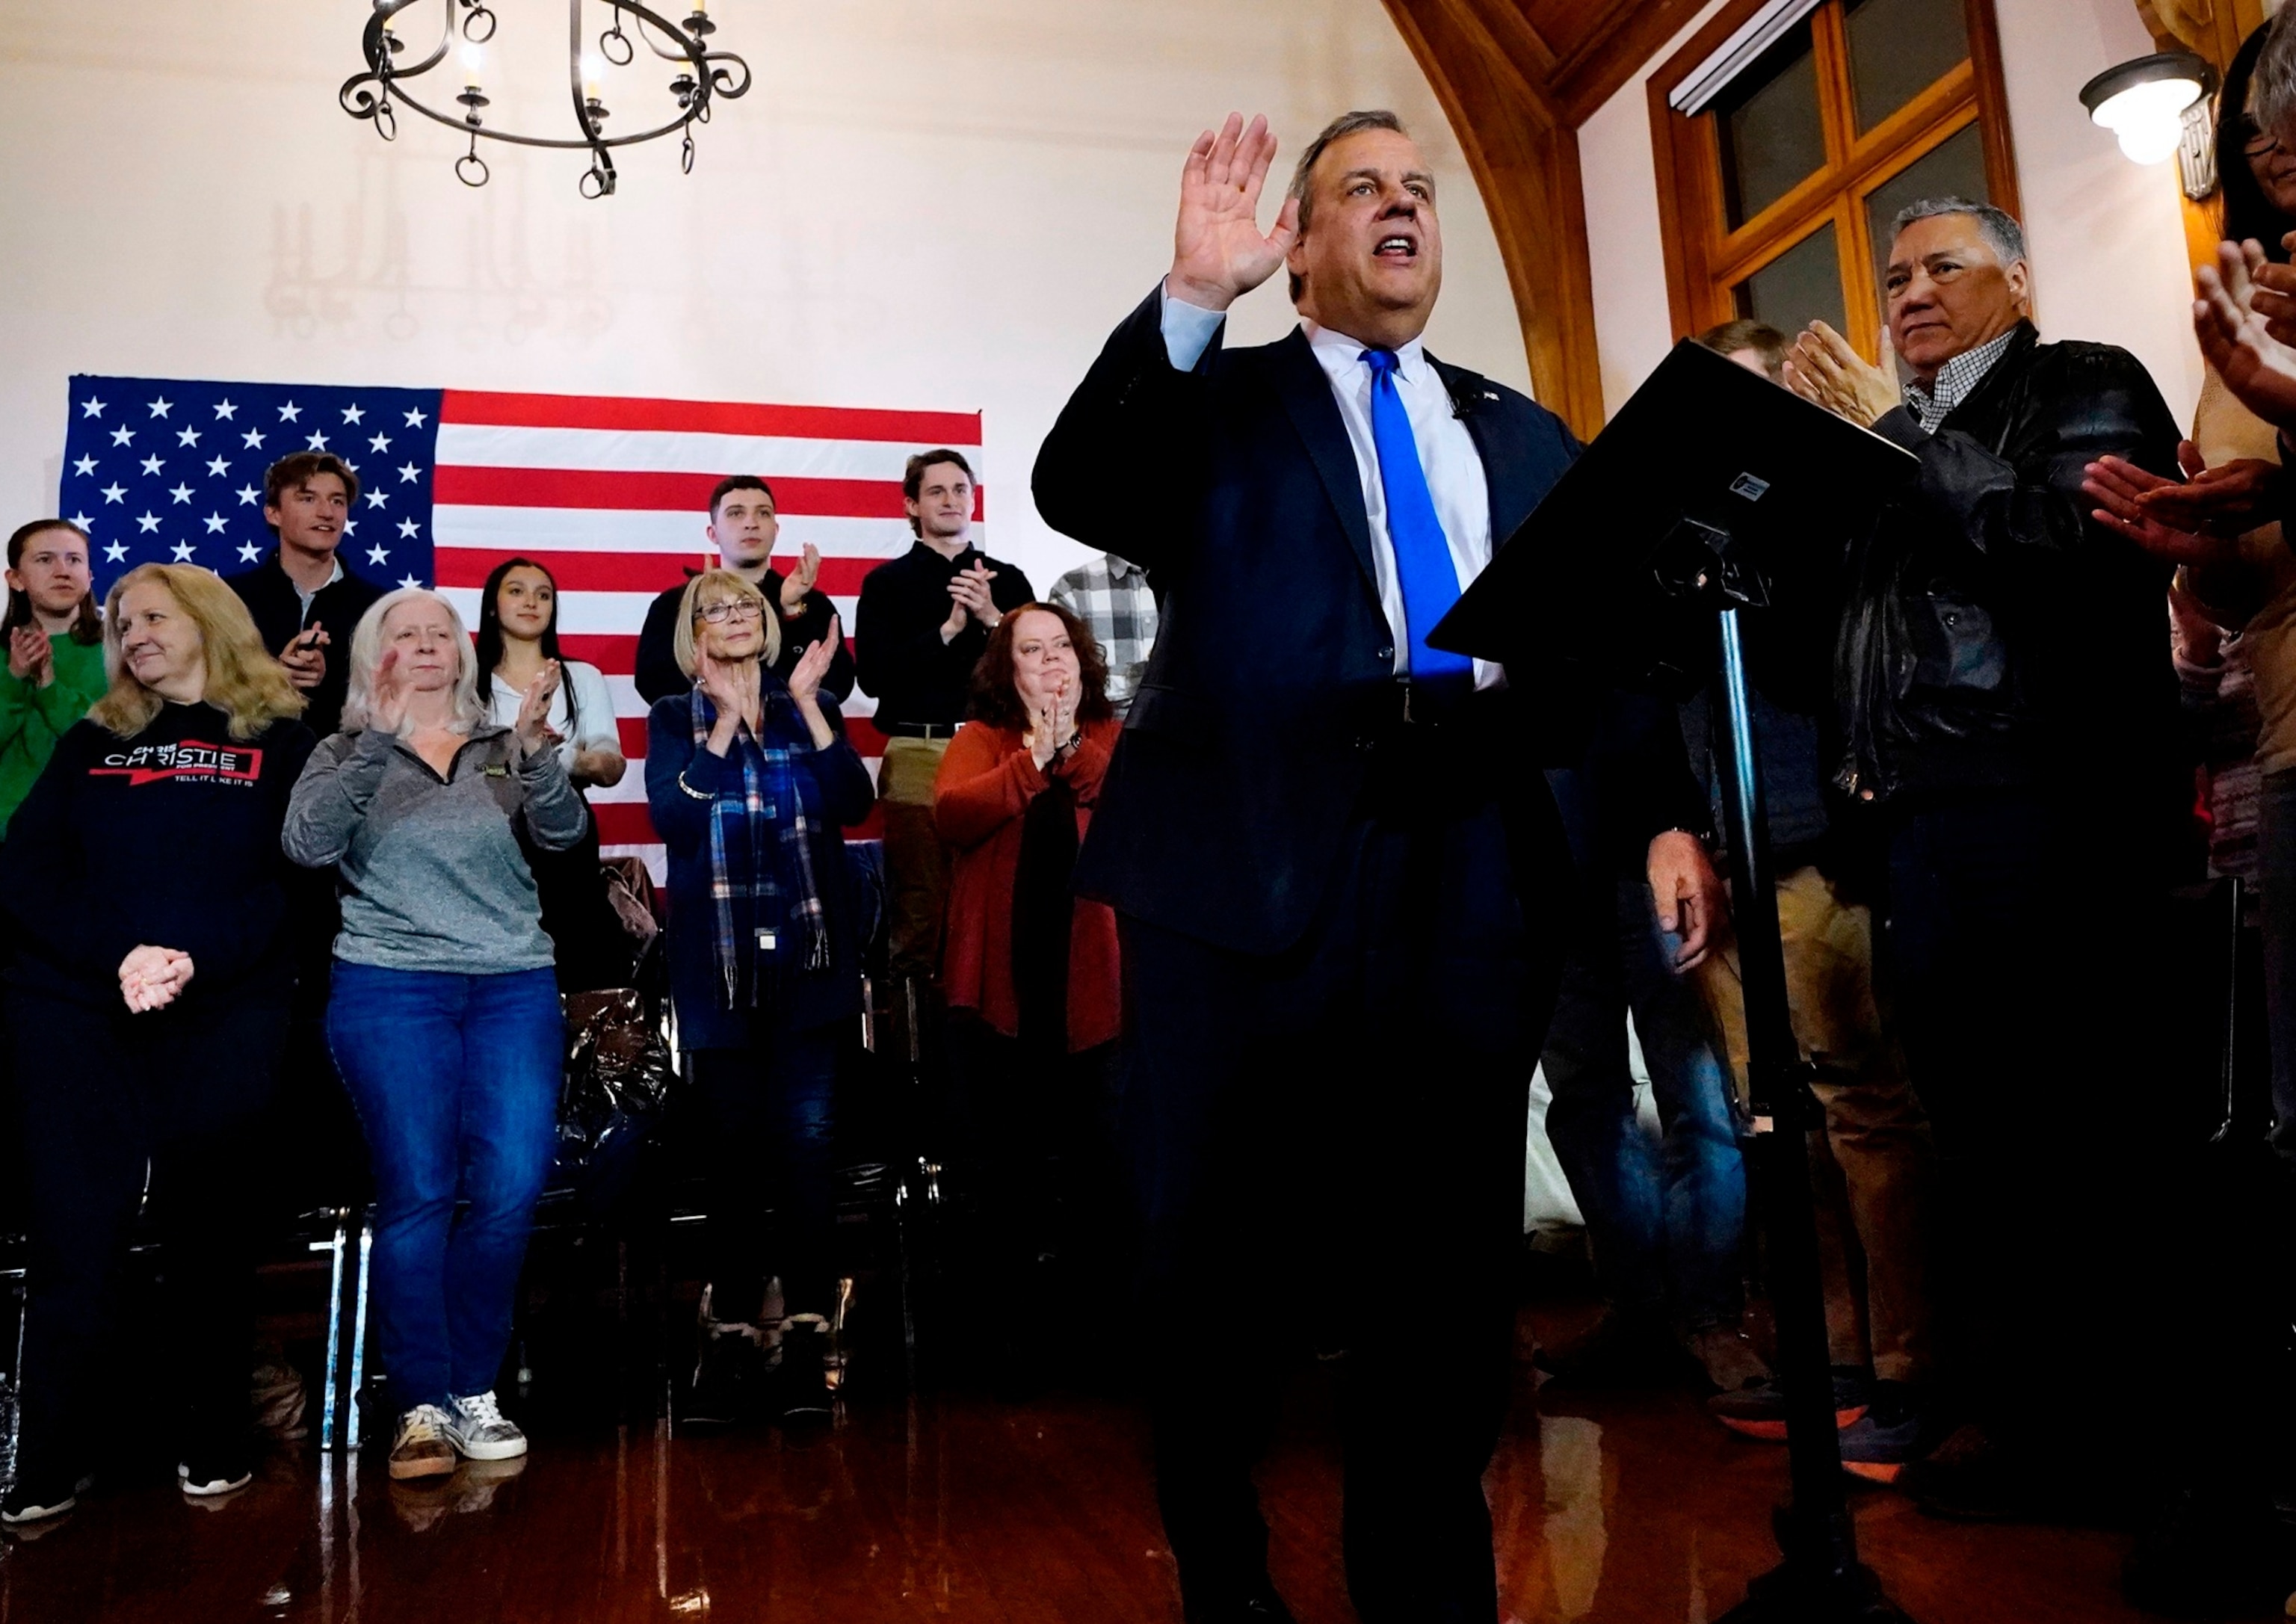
(1714, 495)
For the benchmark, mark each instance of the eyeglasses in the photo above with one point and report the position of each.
(737, 609)
(2258, 142)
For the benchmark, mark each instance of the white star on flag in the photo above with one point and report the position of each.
(352, 413)
(376, 498)
(316, 442)
(149, 521)
(224, 409)
(121, 436)
(409, 529)
(290, 412)
(159, 407)
(349, 525)
(215, 522)
(82, 520)
(254, 438)
(249, 552)
(85, 464)
(247, 495)
(114, 551)
(413, 418)
(380, 442)
(184, 550)
(113, 491)
(151, 465)
(91, 408)
(181, 493)
(410, 581)
(408, 473)
(218, 466)
(187, 437)
(378, 555)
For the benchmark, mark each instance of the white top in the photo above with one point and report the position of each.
(593, 703)
(1446, 454)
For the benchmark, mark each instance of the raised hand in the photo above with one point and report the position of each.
(2118, 487)
(307, 664)
(533, 727)
(732, 687)
(801, 579)
(1823, 367)
(1218, 251)
(389, 707)
(2236, 338)
(812, 666)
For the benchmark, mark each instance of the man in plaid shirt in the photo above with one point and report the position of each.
(1111, 596)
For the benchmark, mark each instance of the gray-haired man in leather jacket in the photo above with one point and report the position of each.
(2008, 712)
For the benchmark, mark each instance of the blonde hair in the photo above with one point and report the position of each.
(367, 655)
(723, 586)
(243, 681)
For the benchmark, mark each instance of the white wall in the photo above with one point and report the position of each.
(923, 203)
(2107, 237)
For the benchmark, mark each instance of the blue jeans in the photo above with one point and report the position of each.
(455, 1079)
(1667, 1223)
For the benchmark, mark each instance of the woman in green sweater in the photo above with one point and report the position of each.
(55, 651)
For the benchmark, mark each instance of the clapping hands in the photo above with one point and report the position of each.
(1822, 367)
(305, 657)
(973, 601)
(30, 657)
(533, 728)
(813, 665)
(1053, 723)
(2245, 319)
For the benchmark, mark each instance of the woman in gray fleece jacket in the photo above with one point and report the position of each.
(443, 1017)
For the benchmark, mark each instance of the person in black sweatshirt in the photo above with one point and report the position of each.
(147, 1004)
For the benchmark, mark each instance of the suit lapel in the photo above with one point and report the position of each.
(1307, 395)
(1506, 474)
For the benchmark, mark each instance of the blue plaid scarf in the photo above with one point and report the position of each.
(761, 826)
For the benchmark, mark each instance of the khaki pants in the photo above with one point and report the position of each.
(916, 867)
(1874, 1169)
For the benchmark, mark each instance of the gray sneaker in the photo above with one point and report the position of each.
(420, 1450)
(480, 1430)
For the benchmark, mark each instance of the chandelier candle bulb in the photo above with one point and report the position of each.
(594, 70)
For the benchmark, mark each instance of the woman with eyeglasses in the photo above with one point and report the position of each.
(751, 781)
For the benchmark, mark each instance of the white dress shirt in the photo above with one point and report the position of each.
(593, 706)
(1446, 454)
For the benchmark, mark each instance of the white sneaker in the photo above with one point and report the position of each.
(478, 1429)
(421, 1449)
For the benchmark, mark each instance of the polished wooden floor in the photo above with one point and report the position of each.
(1621, 1509)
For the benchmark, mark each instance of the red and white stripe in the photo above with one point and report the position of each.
(610, 497)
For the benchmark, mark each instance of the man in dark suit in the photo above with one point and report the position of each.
(1330, 848)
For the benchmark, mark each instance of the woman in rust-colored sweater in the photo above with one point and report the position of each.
(1029, 970)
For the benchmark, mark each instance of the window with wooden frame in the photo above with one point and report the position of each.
(1789, 133)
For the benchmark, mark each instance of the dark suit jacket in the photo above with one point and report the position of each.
(1245, 753)
(277, 610)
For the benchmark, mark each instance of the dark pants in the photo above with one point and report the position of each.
(590, 949)
(1034, 1153)
(456, 1080)
(107, 1095)
(2276, 877)
(1352, 1110)
(2017, 949)
(770, 1113)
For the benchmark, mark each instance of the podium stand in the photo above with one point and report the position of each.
(1714, 495)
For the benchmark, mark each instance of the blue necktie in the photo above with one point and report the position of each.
(1422, 557)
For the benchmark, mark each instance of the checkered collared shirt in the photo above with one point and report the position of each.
(1956, 381)
(1111, 596)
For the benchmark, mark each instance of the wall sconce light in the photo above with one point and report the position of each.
(2146, 102)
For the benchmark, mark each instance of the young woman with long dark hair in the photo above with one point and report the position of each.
(517, 643)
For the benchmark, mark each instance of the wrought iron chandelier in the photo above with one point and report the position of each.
(700, 76)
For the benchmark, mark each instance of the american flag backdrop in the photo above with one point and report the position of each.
(606, 493)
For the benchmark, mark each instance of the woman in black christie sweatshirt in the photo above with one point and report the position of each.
(147, 1004)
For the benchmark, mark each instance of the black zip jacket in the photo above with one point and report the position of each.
(1994, 636)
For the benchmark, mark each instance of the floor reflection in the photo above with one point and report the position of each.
(1619, 1509)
